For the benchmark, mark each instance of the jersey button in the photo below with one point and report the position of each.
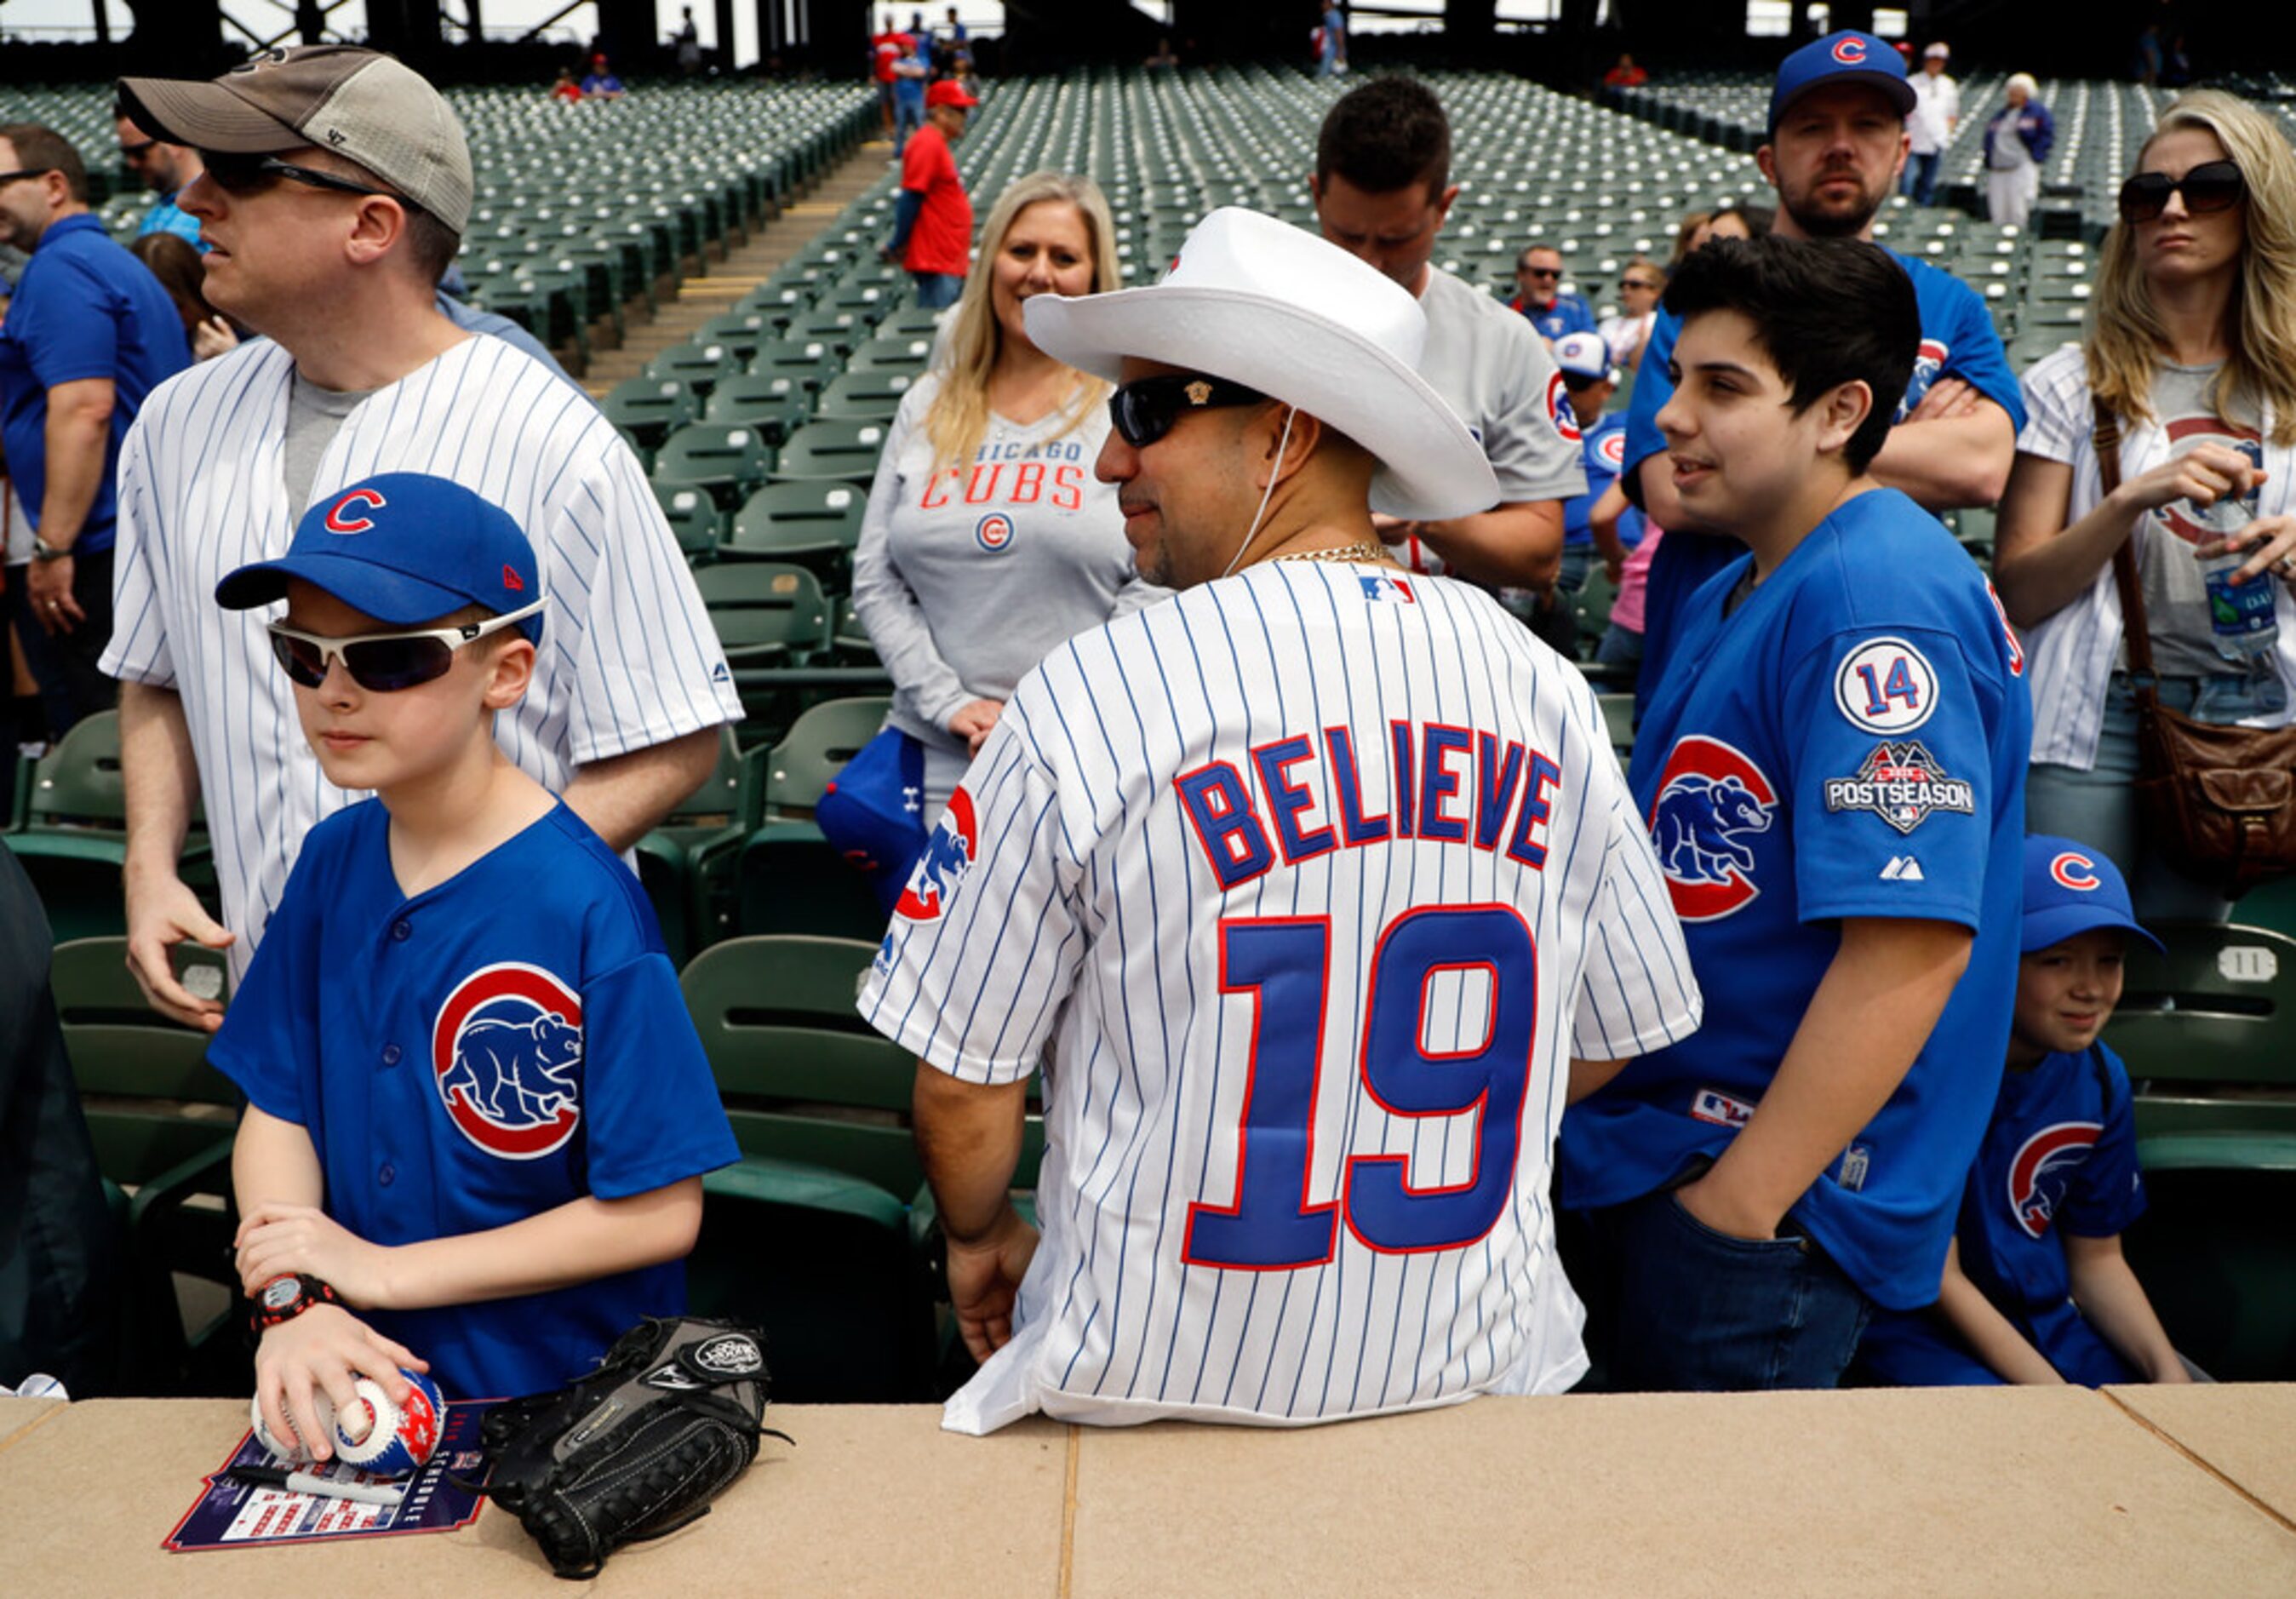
(401, 930)
(387, 1175)
(390, 1054)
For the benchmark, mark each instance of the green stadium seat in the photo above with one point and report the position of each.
(728, 459)
(767, 613)
(698, 366)
(872, 396)
(813, 525)
(776, 405)
(898, 352)
(813, 362)
(693, 517)
(2214, 1015)
(833, 451)
(648, 410)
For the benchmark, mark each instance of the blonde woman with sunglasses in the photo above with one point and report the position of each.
(2192, 346)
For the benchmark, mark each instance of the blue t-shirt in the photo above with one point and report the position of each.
(1605, 444)
(165, 217)
(1567, 315)
(1849, 742)
(494, 1048)
(1958, 341)
(83, 308)
(2059, 1156)
(601, 82)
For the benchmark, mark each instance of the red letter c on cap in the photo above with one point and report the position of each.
(1849, 51)
(337, 522)
(2074, 871)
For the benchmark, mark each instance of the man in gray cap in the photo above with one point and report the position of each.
(1323, 879)
(337, 184)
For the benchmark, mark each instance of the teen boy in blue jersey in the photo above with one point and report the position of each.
(1832, 765)
(478, 1115)
(2036, 1287)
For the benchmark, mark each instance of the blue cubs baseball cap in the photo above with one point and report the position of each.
(1848, 57)
(405, 548)
(2070, 888)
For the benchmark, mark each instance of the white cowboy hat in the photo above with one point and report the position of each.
(1262, 303)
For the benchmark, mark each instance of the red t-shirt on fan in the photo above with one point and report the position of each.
(942, 239)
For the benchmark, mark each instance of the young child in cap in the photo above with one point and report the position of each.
(2036, 1288)
(478, 1112)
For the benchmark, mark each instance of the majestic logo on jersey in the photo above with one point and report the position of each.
(950, 850)
(1886, 687)
(1849, 52)
(1558, 409)
(2074, 870)
(2044, 1166)
(1901, 783)
(507, 1051)
(994, 532)
(1711, 799)
(1612, 448)
(337, 522)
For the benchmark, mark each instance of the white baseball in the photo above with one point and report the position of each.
(290, 1449)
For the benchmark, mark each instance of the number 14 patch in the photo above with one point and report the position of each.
(1901, 782)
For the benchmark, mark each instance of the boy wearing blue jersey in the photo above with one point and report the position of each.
(2036, 1288)
(1832, 768)
(453, 1142)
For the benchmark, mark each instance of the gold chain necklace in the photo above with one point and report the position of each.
(1359, 551)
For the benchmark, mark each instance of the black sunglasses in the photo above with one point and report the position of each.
(244, 174)
(1144, 409)
(383, 663)
(2210, 186)
(22, 173)
(1541, 271)
(132, 151)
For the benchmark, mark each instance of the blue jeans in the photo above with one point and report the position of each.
(937, 290)
(1695, 1310)
(2098, 807)
(1920, 182)
(908, 116)
(1577, 561)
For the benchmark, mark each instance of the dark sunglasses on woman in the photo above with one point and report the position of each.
(2210, 186)
(1144, 410)
(383, 663)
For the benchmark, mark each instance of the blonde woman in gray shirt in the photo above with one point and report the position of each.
(988, 542)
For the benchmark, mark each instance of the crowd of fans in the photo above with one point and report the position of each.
(991, 539)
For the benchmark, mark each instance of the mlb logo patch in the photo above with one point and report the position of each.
(1383, 590)
(1712, 1104)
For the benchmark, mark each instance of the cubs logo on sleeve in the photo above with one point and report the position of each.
(2044, 1166)
(1558, 409)
(507, 1053)
(1885, 687)
(1712, 798)
(1613, 448)
(950, 850)
(1928, 360)
(2008, 632)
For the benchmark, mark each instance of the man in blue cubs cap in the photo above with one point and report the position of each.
(1848, 57)
(2036, 1288)
(478, 1112)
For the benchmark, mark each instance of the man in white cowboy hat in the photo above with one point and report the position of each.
(1320, 884)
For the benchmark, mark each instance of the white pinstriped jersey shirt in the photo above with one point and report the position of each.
(629, 657)
(1315, 878)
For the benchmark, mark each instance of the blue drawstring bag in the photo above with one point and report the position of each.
(874, 813)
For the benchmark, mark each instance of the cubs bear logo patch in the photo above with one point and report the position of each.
(506, 1051)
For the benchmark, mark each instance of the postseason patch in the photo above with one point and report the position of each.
(1902, 784)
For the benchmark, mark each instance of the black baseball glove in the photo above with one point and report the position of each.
(637, 1448)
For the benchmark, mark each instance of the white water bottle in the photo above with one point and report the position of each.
(2242, 616)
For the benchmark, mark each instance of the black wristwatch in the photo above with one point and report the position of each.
(43, 552)
(285, 1298)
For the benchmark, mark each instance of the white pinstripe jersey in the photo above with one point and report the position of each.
(629, 657)
(1315, 878)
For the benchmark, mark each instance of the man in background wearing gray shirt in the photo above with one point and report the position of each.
(1383, 187)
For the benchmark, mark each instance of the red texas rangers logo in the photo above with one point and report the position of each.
(1711, 799)
(2043, 1167)
(507, 1051)
(337, 522)
(950, 850)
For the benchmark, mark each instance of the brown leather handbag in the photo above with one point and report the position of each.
(2217, 801)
